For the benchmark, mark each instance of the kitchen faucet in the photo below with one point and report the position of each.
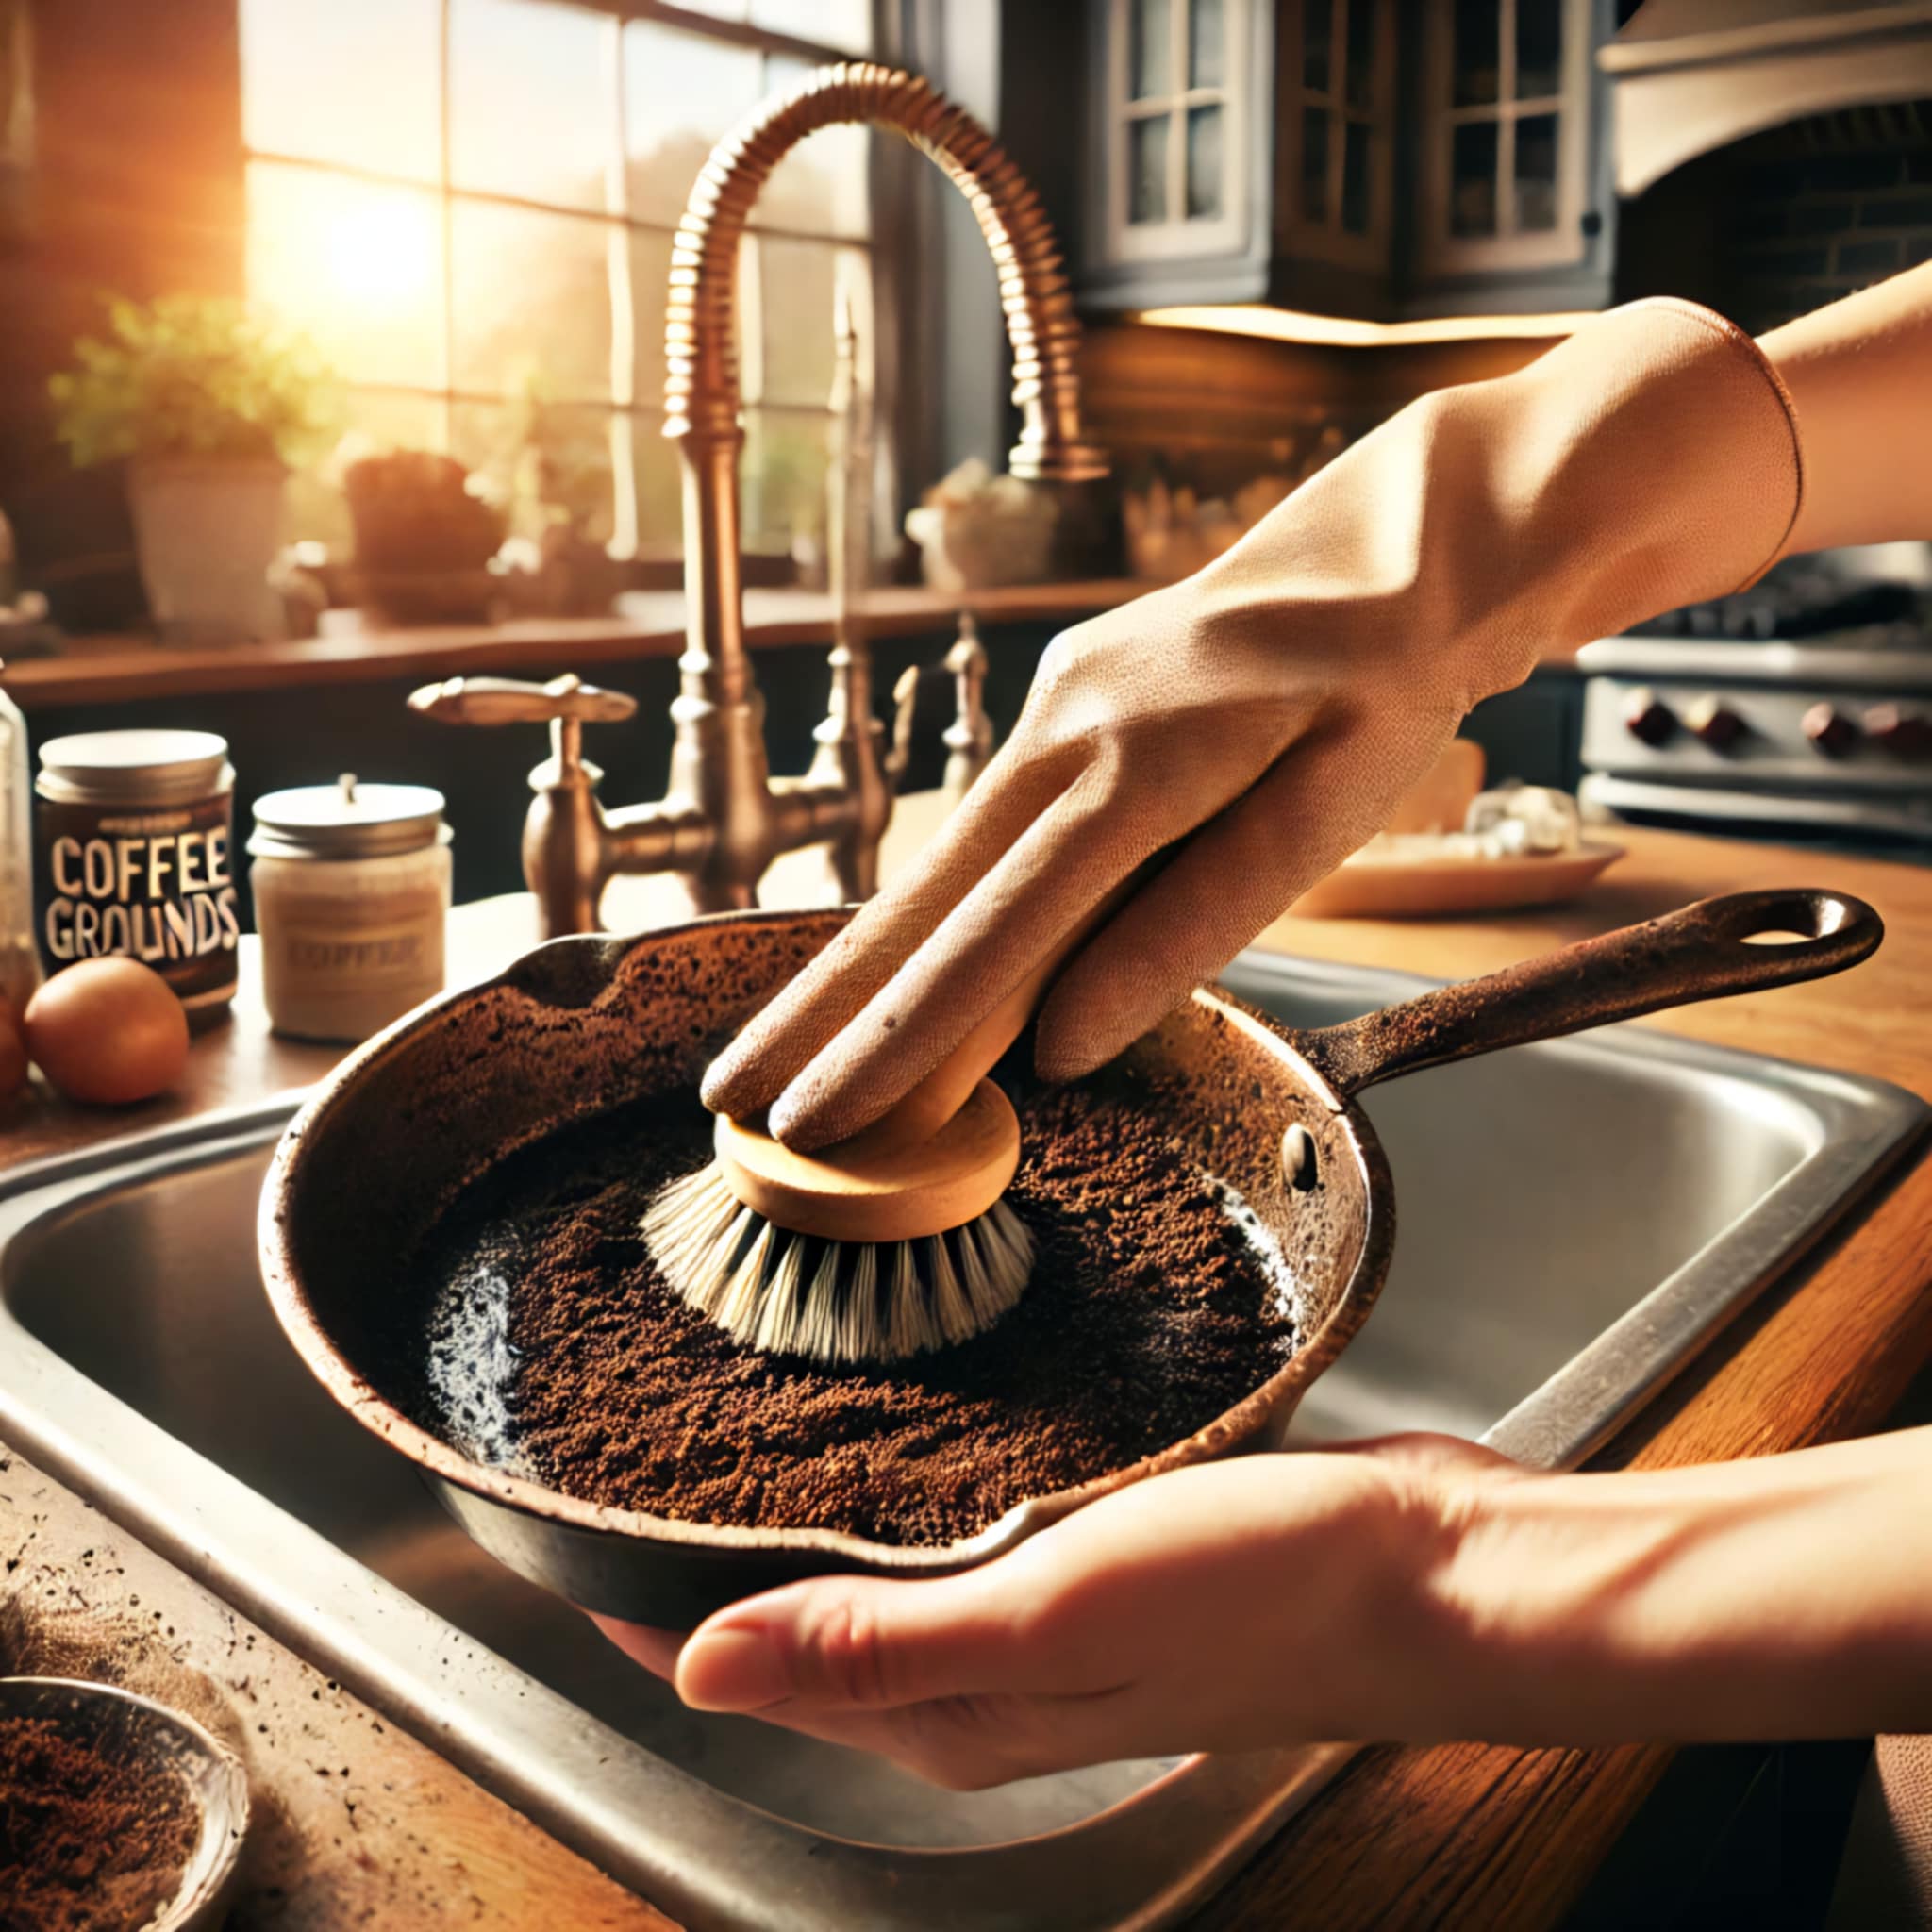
(724, 818)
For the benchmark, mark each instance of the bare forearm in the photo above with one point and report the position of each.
(1859, 374)
(1785, 1598)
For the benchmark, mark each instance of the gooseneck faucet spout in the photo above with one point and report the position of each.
(724, 818)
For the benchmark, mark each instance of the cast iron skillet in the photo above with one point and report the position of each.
(582, 1025)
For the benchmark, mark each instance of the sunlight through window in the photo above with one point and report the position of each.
(469, 206)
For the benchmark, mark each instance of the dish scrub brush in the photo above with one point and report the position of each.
(878, 1247)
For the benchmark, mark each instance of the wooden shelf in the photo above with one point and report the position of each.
(125, 669)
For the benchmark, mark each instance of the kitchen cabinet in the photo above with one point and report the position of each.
(1175, 192)
(1511, 189)
(1364, 158)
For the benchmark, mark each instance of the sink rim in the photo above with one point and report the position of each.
(1864, 1126)
(710, 1858)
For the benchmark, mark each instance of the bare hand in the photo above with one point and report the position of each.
(1240, 1604)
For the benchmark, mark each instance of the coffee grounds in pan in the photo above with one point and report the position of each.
(557, 1352)
(88, 1842)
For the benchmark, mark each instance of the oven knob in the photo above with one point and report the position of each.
(1715, 722)
(1829, 730)
(1647, 718)
(1905, 734)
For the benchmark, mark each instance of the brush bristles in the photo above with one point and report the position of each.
(835, 1301)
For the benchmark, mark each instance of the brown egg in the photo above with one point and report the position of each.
(108, 1031)
(12, 1053)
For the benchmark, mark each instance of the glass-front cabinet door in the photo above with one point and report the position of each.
(1505, 136)
(1336, 102)
(1175, 135)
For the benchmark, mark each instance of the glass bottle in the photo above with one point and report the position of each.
(20, 967)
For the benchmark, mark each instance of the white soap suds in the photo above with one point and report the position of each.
(472, 1366)
(1262, 1244)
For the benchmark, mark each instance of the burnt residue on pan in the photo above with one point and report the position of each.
(1158, 1300)
(492, 1239)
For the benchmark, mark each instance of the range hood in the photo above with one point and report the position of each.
(1690, 76)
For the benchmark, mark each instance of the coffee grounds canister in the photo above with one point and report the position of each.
(134, 855)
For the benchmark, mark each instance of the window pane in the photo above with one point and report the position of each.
(1315, 166)
(1361, 53)
(822, 185)
(345, 80)
(373, 420)
(650, 279)
(1479, 52)
(1355, 177)
(1473, 179)
(1205, 162)
(532, 101)
(531, 298)
(1317, 24)
(1539, 48)
(1150, 45)
(660, 488)
(1207, 44)
(799, 283)
(1147, 169)
(546, 464)
(356, 265)
(681, 93)
(786, 455)
(1536, 173)
(843, 24)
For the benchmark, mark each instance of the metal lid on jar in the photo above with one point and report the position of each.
(134, 767)
(347, 820)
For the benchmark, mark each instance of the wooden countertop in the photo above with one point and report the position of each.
(1464, 1836)
(111, 670)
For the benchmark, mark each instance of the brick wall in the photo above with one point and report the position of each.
(1825, 206)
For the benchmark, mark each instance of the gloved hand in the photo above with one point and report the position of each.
(1249, 727)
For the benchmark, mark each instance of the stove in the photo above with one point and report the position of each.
(1802, 708)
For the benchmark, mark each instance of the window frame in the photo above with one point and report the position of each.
(628, 413)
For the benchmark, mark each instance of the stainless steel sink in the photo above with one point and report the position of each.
(1576, 1221)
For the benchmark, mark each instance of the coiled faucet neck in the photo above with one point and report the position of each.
(701, 390)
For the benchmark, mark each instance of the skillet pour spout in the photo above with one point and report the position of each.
(585, 1025)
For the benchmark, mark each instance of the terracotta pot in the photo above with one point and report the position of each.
(206, 530)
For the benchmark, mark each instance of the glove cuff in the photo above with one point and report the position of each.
(1745, 350)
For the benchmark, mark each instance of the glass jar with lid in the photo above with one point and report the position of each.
(352, 890)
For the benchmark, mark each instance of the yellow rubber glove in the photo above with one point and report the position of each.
(1248, 728)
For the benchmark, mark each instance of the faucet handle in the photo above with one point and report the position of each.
(968, 738)
(513, 701)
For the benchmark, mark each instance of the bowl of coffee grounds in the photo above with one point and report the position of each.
(450, 1237)
(116, 1813)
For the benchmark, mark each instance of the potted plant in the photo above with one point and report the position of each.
(425, 537)
(207, 406)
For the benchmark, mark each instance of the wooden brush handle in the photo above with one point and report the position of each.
(941, 1157)
(944, 1090)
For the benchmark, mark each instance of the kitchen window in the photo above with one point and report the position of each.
(469, 206)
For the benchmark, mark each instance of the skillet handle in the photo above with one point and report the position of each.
(1700, 953)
